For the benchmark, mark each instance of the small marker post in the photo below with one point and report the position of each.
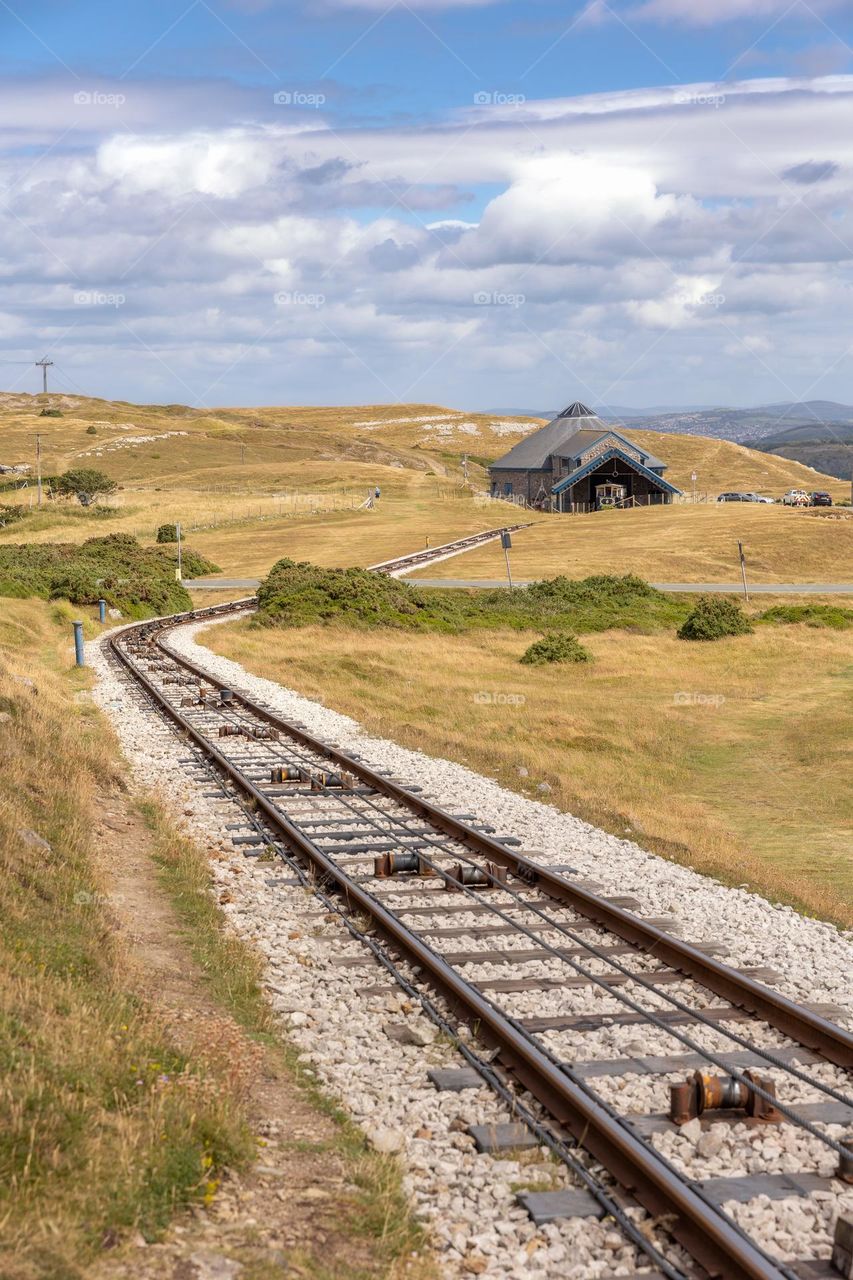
(506, 543)
(78, 644)
(178, 574)
(743, 571)
(102, 610)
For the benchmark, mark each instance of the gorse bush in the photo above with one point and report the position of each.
(812, 615)
(167, 533)
(558, 646)
(713, 618)
(140, 581)
(295, 595)
(11, 515)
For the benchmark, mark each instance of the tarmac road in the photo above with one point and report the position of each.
(755, 588)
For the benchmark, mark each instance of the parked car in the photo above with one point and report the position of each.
(796, 498)
(757, 497)
(820, 498)
(734, 497)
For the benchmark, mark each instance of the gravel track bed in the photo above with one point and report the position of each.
(468, 1198)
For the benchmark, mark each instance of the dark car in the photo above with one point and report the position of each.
(820, 498)
(735, 497)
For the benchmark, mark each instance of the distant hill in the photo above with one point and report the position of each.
(826, 446)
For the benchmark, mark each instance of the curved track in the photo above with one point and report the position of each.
(341, 820)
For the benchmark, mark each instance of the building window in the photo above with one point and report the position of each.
(507, 488)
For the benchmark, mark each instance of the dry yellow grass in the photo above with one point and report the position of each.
(743, 776)
(721, 465)
(244, 481)
(673, 544)
(105, 1127)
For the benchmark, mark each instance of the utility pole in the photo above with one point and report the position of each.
(38, 466)
(44, 364)
(743, 571)
(693, 478)
(465, 471)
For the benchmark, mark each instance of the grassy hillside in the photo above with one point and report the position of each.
(253, 485)
(721, 465)
(673, 544)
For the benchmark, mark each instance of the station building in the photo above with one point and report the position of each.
(580, 463)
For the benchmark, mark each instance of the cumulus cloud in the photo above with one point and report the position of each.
(603, 227)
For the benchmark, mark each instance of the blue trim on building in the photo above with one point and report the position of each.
(594, 463)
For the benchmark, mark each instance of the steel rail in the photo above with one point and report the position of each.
(414, 558)
(795, 1021)
(710, 1238)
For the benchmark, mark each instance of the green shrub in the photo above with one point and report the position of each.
(813, 615)
(85, 484)
(11, 515)
(296, 595)
(167, 533)
(140, 581)
(558, 646)
(91, 431)
(51, 413)
(714, 617)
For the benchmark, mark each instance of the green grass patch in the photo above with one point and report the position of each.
(295, 595)
(811, 615)
(140, 581)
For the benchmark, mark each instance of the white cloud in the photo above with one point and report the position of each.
(623, 225)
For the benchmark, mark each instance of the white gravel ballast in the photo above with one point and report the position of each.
(373, 1051)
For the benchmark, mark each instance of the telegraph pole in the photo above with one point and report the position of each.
(44, 364)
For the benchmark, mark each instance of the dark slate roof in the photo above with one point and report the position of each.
(532, 453)
(572, 431)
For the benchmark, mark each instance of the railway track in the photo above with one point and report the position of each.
(431, 555)
(540, 964)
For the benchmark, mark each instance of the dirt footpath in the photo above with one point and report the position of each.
(287, 1214)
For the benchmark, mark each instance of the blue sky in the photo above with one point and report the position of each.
(475, 203)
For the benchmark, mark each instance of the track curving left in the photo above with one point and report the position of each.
(334, 815)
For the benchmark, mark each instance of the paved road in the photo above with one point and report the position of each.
(765, 588)
(768, 588)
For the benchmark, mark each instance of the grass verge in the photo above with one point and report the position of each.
(104, 1127)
